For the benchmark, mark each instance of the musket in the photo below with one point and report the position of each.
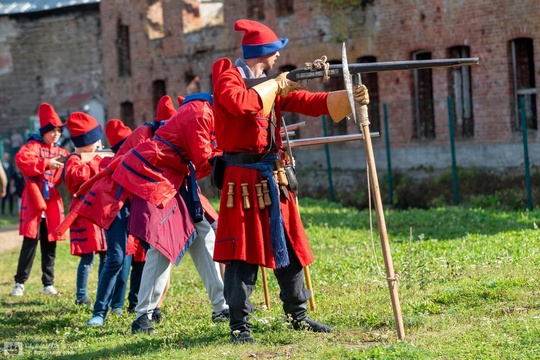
(328, 140)
(336, 70)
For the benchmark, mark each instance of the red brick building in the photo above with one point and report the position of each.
(151, 48)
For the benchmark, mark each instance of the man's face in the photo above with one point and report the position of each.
(270, 60)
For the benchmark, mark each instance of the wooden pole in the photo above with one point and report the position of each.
(265, 287)
(363, 124)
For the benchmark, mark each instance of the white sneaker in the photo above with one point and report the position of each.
(18, 290)
(50, 290)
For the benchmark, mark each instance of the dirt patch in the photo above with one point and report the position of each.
(10, 238)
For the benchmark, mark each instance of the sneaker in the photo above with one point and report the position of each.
(142, 325)
(18, 290)
(117, 311)
(310, 325)
(86, 301)
(157, 316)
(221, 316)
(96, 321)
(241, 337)
(49, 290)
(131, 308)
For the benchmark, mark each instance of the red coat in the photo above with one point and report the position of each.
(84, 236)
(154, 171)
(242, 127)
(33, 161)
(106, 198)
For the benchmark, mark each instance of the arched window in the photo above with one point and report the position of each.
(522, 56)
(459, 90)
(423, 111)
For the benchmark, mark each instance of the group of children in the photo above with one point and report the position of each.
(102, 206)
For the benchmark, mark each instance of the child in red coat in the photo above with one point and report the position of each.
(86, 239)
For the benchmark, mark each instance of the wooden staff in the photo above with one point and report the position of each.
(360, 114)
(265, 287)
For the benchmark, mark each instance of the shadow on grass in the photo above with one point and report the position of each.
(145, 346)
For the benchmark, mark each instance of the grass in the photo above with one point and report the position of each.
(467, 286)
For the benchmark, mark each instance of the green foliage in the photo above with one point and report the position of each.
(467, 282)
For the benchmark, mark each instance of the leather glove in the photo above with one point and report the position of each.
(286, 86)
(361, 95)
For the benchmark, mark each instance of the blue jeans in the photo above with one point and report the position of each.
(112, 270)
(83, 271)
(119, 294)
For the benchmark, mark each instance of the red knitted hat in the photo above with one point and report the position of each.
(116, 131)
(165, 109)
(258, 40)
(48, 119)
(84, 129)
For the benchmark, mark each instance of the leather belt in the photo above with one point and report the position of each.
(243, 158)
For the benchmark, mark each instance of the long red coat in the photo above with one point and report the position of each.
(106, 198)
(241, 127)
(154, 171)
(33, 161)
(85, 237)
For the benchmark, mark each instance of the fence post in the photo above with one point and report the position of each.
(388, 158)
(453, 151)
(328, 163)
(525, 153)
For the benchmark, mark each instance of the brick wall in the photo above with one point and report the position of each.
(49, 58)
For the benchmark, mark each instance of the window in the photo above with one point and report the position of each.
(255, 9)
(154, 20)
(284, 7)
(459, 90)
(199, 14)
(122, 48)
(127, 114)
(522, 56)
(334, 84)
(423, 112)
(158, 91)
(372, 83)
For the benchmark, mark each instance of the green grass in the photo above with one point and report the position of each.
(467, 282)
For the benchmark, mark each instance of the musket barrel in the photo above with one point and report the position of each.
(329, 139)
(337, 69)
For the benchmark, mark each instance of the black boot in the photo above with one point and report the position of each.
(310, 325)
(142, 325)
(241, 337)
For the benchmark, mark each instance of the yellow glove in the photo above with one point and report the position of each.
(361, 94)
(286, 86)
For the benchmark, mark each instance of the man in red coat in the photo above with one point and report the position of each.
(250, 235)
(42, 209)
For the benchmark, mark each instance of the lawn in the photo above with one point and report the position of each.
(467, 286)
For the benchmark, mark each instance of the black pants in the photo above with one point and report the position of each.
(240, 279)
(9, 200)
(28, 252)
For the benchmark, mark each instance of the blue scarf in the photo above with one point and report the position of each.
(277, 234)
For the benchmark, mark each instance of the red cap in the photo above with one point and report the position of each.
(48, 118)
(258, 40)
(84, 129)
(165, 108)
(116, 131)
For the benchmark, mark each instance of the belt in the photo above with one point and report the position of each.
(243, 158)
